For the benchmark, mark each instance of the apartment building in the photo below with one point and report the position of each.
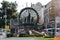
(52, 10)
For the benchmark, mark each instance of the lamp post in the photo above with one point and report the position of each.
(5, 16)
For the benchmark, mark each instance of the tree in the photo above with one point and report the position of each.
(9, 9)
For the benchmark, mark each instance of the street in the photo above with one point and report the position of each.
(26, 38)
(18, 38)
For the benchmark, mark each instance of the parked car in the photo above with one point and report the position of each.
(2, 33)
(8, 33)
(57, 32)
(48, 32)
(21, 32)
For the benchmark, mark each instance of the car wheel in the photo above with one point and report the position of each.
(8, 35)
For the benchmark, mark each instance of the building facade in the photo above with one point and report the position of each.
(40, 9)
(52, 10)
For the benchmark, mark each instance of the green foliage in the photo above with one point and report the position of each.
(10, 9)
(5, 4)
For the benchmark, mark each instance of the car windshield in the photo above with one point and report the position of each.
(8, 31)
(0, 30)
(51, 30)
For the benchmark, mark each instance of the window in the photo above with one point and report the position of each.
(58, 5)
(58, 25)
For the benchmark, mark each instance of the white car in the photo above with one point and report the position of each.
(2, 33)
(57, 33)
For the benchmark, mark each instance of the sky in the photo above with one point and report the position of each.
(22, 3)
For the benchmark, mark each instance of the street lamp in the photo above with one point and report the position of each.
(5, 16)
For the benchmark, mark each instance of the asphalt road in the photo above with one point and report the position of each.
(18, 38)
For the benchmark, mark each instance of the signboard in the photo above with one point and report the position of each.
(7, 27)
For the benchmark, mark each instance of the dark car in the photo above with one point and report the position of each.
(48, 32)
(21, 32)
